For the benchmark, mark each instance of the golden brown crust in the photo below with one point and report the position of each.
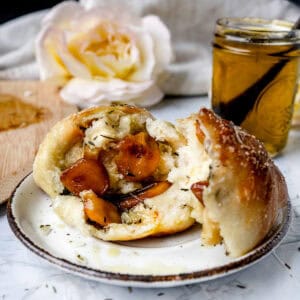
(248, 189)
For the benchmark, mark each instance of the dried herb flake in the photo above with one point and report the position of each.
(108, 137)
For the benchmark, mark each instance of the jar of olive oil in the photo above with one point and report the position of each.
(255, 76)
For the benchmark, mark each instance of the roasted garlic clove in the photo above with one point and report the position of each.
(85, 174)
(138, 156)
(98, 210)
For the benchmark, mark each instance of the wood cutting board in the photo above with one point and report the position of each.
(19, 146)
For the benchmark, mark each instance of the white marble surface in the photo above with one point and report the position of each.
(26, 276)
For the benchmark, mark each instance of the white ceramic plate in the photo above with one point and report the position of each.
(152, 262)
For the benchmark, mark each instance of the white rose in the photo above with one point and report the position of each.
(102, 55)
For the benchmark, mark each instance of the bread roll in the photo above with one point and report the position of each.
(119, 174)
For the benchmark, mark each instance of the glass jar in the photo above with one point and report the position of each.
(255, 76)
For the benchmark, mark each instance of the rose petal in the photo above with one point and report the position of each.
(105, 10)
(47, 57)
(145, 67)
(86, 93)
(76, 68)
(101, 69)
(162, 41)
(62, 14)
(88, 4)
(54, 57)
(150, 96)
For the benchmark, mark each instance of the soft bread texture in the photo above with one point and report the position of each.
(246, 189)
(240, 204)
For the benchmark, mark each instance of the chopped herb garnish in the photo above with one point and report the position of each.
(46, 228)
(175, 153)
(43, 226)
(240, 286)
(160, 294)
(80, 257)
(54, 289)
(130, 289)
(107, 137)
(91, 143)
(185, 190)
(110, 112)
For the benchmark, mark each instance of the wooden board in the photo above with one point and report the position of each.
(19, 146)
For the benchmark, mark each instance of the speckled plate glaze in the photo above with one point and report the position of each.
(153, 262)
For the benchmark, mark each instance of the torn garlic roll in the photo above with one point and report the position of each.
(118, 174)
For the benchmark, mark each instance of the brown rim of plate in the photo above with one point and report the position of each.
(270, 243)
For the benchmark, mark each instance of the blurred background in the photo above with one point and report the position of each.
(15, 8)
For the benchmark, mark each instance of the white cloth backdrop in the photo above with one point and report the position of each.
(191, 23)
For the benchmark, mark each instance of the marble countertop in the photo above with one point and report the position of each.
(23, 275)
